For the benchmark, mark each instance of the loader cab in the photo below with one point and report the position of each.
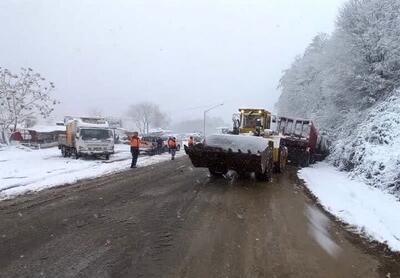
(254, 120)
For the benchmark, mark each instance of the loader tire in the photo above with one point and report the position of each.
(269, 167)
(262, 177)
(267, 175)
(281, 165)
(217, 172)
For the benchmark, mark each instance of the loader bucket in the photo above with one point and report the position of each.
(221, 153)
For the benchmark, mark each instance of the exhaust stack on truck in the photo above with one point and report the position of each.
(87, 136)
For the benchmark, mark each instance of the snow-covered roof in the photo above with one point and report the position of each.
(91, 122)
(93, 125)
(47, 128)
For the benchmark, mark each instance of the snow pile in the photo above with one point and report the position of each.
(372, 150)
(369, 210)
(237, 142)
(24, 169)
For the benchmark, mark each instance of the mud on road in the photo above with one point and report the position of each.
(170, 220)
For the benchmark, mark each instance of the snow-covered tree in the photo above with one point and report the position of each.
(302, 84)
(349, 83)
(341, 75)
(368, 37)
(22, 97)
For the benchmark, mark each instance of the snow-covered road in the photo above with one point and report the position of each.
(23, 169)
(370, 211)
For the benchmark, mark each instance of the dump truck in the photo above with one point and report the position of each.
(304, 143)
(251, 147)
(86, 136)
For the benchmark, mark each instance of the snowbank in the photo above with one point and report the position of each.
(24, 169)
(372, 150)
(370, 210)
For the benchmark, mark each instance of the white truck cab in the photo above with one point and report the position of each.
(87, 137)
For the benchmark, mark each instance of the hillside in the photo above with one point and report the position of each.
(348, 82)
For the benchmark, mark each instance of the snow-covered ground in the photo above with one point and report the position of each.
(369, 210)
(23, 169)
(370, 150)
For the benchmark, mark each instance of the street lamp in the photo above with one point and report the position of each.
(205, 114)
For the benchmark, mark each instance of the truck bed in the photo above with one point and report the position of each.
(62, 141)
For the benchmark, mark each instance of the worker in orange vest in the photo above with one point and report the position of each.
(135, 144)
(172, 147)
(191, 141)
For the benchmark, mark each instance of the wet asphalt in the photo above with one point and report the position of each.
(171, 220)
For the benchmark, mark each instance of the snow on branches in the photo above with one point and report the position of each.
(349, 71)
(23, 96)
(349, 83)
(146, 115)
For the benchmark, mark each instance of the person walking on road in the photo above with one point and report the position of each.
(190, 141)
(172, 147)
(135, 144)
(160, 145)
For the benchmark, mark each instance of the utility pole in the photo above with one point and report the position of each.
(205, 116)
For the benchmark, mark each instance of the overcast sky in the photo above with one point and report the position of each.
(184, 55)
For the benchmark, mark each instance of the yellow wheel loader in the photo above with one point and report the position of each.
(251, 147)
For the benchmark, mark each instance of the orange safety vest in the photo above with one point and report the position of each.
(171, 144)
(135, 142)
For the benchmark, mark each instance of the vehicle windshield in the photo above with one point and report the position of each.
(250, 121)
(100, 134)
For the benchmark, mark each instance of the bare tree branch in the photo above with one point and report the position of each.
(146, 115)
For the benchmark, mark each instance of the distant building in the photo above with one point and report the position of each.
(39, 136)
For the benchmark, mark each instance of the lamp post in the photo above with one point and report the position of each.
(205, 115)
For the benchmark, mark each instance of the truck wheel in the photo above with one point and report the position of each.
(305, 161)
(107, 156)
(76, 154)
(313, 159)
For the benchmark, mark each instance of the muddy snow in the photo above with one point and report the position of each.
(24, 169)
